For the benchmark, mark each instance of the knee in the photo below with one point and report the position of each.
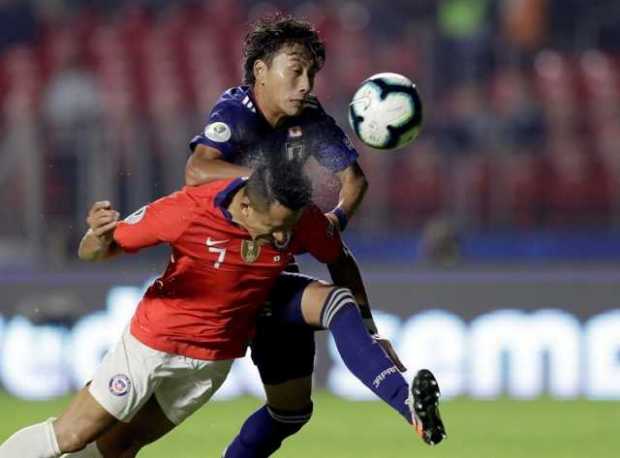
(70, 438)
(337, 299)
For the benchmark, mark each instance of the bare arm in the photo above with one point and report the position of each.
(353, 189)
(206, 164)
(98, 242)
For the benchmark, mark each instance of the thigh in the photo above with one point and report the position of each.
(283, 348)
(285, 301)
(126, 377)
(282, 352)
(126, 439)
(189, 385)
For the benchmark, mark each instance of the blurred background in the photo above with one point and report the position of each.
(491, 244)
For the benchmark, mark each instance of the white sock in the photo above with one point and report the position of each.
(36, 441)
(90, 451)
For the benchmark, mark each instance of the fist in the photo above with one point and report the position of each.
(102, 219)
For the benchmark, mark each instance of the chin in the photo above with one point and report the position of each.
(294, 111)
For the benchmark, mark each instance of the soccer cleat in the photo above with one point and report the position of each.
(424, 404)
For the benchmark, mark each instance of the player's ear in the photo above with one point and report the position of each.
(246, 206)
(259, 69)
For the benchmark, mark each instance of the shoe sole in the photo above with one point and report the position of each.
(425, 391)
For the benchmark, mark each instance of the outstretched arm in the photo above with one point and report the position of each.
(98, 242)
(206, 164)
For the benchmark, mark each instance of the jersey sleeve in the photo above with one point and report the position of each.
(317, 236)
(334, 149)
(162, 221)
(220, 132)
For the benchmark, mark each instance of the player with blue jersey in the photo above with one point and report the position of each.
(273, 118)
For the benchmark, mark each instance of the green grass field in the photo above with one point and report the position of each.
(341, 429)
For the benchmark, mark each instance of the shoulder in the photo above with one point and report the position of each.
(234, 111)
(314, 115)
(236, 99)
(313, 108)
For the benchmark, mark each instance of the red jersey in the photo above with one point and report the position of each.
(205, 304)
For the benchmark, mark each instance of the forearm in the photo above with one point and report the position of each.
(352, 194)
(93, 248)
(200, 170)
(352, 191)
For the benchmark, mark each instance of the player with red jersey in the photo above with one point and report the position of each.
(198, 316)
(231, 241)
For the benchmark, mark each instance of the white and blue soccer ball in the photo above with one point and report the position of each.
(386, 111)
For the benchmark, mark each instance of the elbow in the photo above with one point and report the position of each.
(358, 179)
(363, 184)
(192, 177)
(199, 169)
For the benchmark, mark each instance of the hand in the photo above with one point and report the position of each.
(102, 220)
(389, 349)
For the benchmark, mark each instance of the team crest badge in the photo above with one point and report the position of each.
(218, 132)
(295, 132)
(119, 385)
(250, 251)
(136, 216)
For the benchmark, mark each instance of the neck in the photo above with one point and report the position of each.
(234, 208)
(272, 115)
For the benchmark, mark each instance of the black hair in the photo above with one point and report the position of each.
(272, 32)
(285, 183)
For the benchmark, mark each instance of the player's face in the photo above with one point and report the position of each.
(289, 79)
(273, 223)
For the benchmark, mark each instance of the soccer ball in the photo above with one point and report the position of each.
(386, 111)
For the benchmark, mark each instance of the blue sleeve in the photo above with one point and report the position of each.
(334, 150)
(221, 131)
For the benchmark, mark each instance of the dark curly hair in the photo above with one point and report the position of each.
(272, 32)
(285, 183)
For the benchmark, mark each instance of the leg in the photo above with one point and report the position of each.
(122, 385)
(125, 440)
(335, 309)
(287, 410)
(283, 351)
(83, 421)
(185, 385)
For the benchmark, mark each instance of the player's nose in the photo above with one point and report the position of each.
(305, 84)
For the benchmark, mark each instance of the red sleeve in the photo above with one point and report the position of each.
(317, 236)
(159, 222)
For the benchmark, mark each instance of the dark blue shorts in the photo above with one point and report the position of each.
(283, 348)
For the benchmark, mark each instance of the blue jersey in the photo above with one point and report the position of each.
(240, 132)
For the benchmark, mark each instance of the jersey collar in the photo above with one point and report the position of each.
(223, 198)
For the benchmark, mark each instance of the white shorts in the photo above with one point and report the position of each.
(131, 372)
